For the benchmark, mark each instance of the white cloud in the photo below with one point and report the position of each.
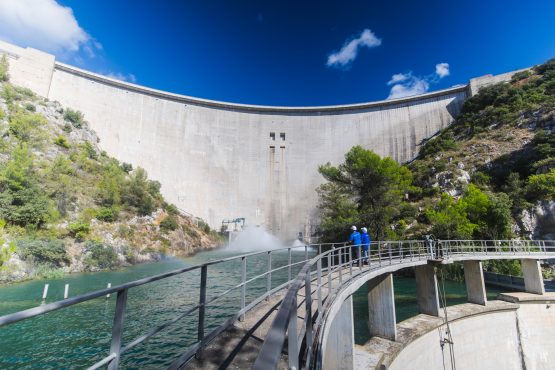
(45, 25)
(348, 53)
(398, 77)
(415, 86)
(442, 70)
(406, 84)
(122, 76)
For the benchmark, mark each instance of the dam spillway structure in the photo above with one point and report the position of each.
(217, 159)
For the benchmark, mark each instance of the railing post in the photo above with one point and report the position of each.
(292, 342)
(306, 252)
(201, 308)
(351, 262)
(319, 282)
(389, 249)
(289, 266)
(340, 253)
(269, 276)
(330, 271)
(243, 286)
(117, 329)
(380, 252)
(308, 309)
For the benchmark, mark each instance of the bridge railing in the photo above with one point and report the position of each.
(197, 311)
(342, 267)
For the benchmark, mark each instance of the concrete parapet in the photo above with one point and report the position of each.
(474, 281)
(381, 307)
(533, 279)
(426, 290)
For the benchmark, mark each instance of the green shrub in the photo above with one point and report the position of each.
(62, 142)
(443, 142)
(79, 229)
(24, 92)
(74, 116)
(4, 67)
(67, 127)
(141, 193)
(9, 94)
(521, 76)
(22, 202)
(43, 251)
(100, 255)
(30, 107)
(171, 209)
(23, 124)
(106, 214)
(541, 186)
(2, 114)
(89, 150)
(6, 252)
(169, 223)
(203, 226)
(126, 167)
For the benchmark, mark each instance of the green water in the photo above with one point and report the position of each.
(78, 336)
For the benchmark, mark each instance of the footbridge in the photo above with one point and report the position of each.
(294, 305)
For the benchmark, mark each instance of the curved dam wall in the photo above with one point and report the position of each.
(221, 160)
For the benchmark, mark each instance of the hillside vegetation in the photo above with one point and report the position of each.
(490, 175)
(65, 205)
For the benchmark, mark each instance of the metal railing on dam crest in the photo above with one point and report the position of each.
(321, 279)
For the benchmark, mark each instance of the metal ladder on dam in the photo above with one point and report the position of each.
(292, 296)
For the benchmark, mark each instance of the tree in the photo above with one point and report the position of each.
(366, 189)
(449, 219)
(22, 202)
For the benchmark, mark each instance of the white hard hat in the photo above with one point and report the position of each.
(364, 230)
(353, 227)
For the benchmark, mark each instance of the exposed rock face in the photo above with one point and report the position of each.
(539, 222)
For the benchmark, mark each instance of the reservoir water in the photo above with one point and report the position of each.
(78, 336)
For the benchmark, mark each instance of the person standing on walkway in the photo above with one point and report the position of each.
(365, 240)
(354, 239)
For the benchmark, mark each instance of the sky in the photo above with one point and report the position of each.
(288, 53)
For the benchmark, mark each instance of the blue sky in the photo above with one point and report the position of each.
(288, 52)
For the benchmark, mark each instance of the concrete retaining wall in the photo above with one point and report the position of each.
(217, 160)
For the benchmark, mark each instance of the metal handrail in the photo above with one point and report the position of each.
(332, 262)
(116, 349)
(387, 253)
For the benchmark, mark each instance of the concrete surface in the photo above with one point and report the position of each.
(381, 307)
(474, 281)
(474, 333)
(426, 290)
(341, 339)
(533, 279)
(217, 160)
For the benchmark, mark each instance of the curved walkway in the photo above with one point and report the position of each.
(255, 335)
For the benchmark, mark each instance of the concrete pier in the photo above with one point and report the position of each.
(341, 339)
(474, 281)
(533, 279)
(426, 290)
(381, 307)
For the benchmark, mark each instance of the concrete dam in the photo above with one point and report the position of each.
(221, 160)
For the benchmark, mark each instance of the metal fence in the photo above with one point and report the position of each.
(322, 277)
(343, 268)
